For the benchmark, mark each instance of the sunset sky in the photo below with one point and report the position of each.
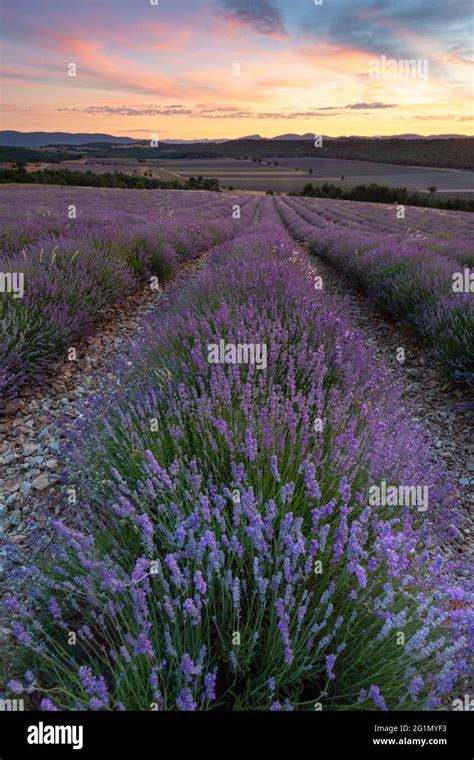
(170, 69)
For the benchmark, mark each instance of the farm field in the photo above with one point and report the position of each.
(260, 177)
(242, 175)
(75, 268)
(210, 470)
(453, 181)
(247, 175)
(239, 174)
(127, 167)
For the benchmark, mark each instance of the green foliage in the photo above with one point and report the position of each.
(86, 179)
(375, 193)
(454, 153)
(50, 155)
(109, 179)
(202, 183)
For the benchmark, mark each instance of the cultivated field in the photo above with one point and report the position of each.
(455, 181)
(291, 175)
(227, 497)
(127, 167)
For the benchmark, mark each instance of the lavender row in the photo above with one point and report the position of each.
(374, 219)
(223, 551)
(28, 214)
(430, 293)
(396, 219)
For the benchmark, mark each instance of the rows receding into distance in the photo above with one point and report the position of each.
(250, 518)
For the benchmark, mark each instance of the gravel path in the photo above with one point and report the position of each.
(429, 396)
(32, 433)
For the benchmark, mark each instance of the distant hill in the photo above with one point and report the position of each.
(203, 140)
(310, 136)
(15, 139)
(410, 136)
(12, 138)
(306, 136)
(407, 136)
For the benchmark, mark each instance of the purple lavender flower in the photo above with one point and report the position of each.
(236, 594)
(145, 524)
(286, 492)
(176, 573)
(185, 701)
(415, 686)
(210, 687)
(256, 549)
(15, 686)
(330, 662)
(250, 445)
(361, 576)
(362, 696)
(199, 582)
(46, 705)
(345, 490)
(377, 698)
(144, 646)
(274, 467)
(189, 606)
(54, 609)
(95, 687)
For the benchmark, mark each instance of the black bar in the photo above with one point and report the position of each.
(129, 734)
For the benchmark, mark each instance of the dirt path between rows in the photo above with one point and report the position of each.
(430, 398)
(33, 436)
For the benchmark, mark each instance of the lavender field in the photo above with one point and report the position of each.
(419, 271)
(73, 268)
(411, 268)
(237, 508)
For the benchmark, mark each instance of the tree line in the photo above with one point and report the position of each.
(375, 193)
(108, 179)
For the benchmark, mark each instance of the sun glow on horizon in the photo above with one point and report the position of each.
(224, 69)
